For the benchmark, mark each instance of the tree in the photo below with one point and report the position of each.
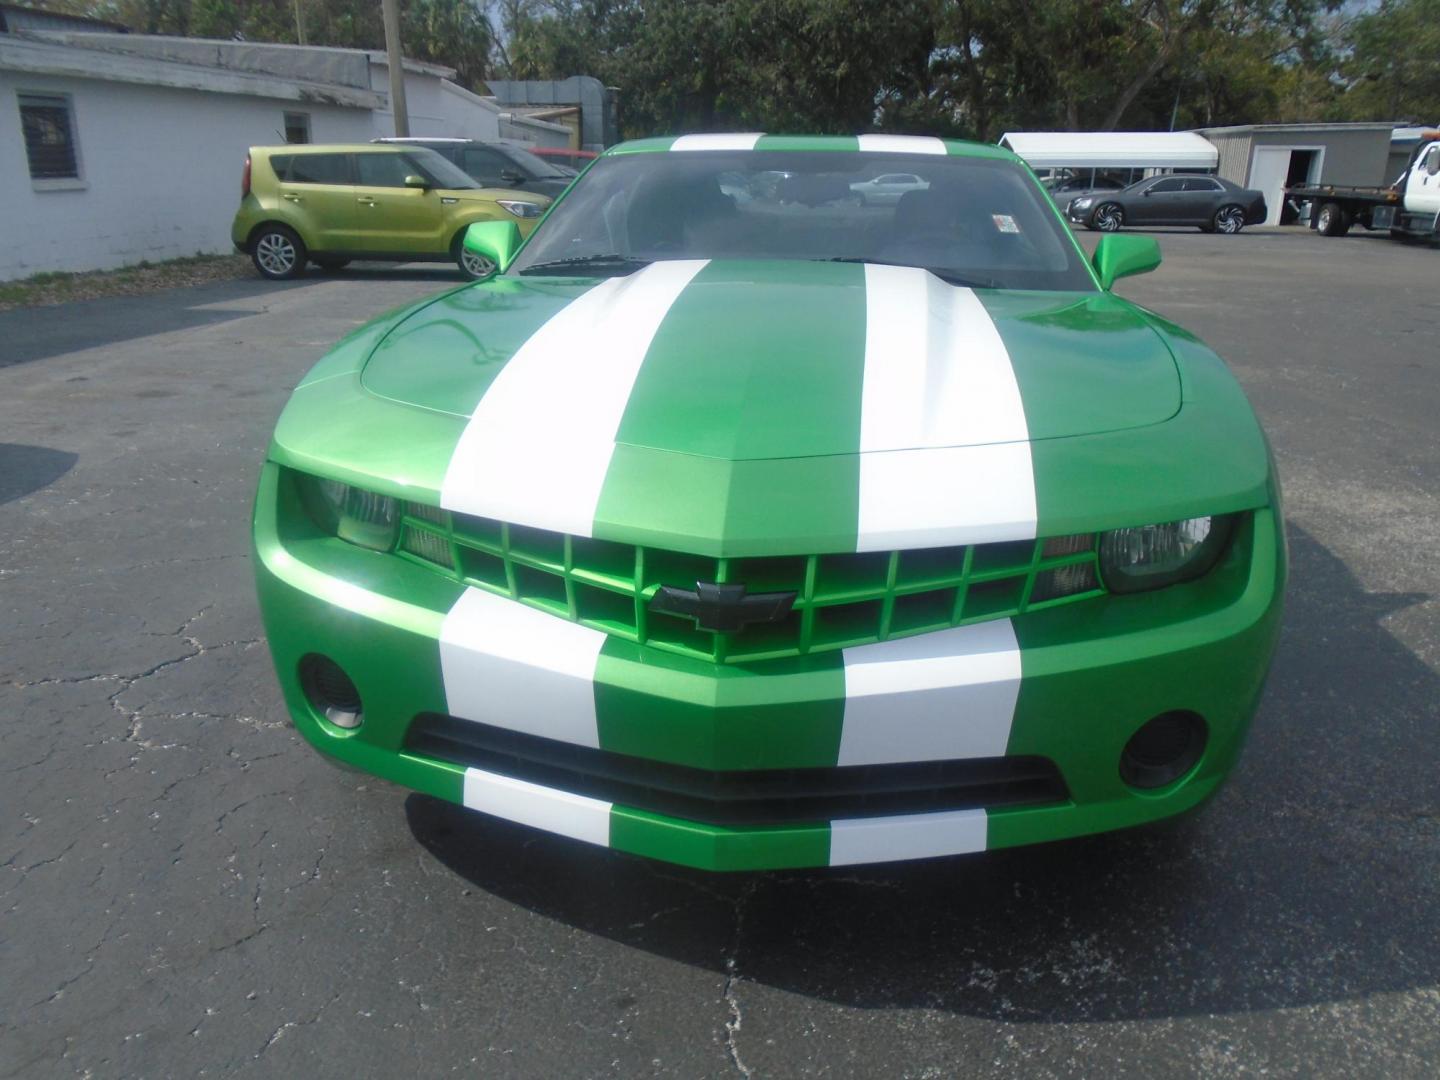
(971, 68)
(1393, 69)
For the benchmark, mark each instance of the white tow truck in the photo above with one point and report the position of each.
(1408, 208)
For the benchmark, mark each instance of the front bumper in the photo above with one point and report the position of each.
(1069, 685)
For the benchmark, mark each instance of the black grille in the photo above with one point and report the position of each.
(750, 797)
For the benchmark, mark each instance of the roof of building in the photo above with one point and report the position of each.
(1348, 125)
(17, 17)
(344, 80)
(1112, 149)
(1405, 135)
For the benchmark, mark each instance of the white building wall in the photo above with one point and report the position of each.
(442, 109)
(432, 108)
(159, 171)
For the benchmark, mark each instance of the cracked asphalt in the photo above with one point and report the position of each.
(185, 889)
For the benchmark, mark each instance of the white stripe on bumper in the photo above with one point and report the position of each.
(509, 665)
(737, 141)
(902, 144)
(538, 446)
(945, 452)
(576, 816)
(907, 836)
(932, 697)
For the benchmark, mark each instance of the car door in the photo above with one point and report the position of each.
(391, 218)
(1422, 186)
(1158, 204)
(491, 168)
(319, 193)
(1202, 197)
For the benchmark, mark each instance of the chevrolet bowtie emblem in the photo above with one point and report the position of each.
(722, 609)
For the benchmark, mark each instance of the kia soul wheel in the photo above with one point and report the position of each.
(278, 253)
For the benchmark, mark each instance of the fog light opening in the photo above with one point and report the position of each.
(330, 692)
(1164, 749)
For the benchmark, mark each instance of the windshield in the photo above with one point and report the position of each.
(438, 170)
(535, 166)
(974, 221)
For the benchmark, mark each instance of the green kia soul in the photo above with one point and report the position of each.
(742, 523)
(331, 204)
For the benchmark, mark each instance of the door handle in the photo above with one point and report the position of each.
(366, 201)
(295, 198)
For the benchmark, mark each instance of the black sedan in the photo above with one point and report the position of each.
(1213, 204)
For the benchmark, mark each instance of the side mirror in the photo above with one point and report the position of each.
(495, 240)
(1117, 256)
(510, 176)
(417, 182)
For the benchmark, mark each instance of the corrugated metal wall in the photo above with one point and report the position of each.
(1234, 163)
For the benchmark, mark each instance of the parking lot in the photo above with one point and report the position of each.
(187, 889)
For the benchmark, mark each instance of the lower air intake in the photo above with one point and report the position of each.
(739, 798)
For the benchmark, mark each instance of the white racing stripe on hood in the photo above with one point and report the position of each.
(538, 446)
(902, 144)
(737, 141)
(945, 452)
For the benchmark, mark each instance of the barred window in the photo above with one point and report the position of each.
(49, 127)
(297, 127)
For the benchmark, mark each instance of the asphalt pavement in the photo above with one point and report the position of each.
(186, 889)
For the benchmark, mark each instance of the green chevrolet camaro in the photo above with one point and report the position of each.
(781, 502)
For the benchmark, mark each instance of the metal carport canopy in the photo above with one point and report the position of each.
(1113, 149)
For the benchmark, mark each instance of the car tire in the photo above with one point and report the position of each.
(330, 263)
(1108, 217)
(1332, 220)
(473, 266)
(277, 252)
(1229, 219)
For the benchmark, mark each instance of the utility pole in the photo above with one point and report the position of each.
(299, 24)
(391, 10)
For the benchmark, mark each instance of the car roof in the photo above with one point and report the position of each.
(322, 148)
(447, 140)
(897, 144)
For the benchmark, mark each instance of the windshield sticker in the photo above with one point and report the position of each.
(1004, 223)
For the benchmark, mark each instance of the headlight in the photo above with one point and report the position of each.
(1081, 204)
(522, 209)
(357, 516)
(1153, 556)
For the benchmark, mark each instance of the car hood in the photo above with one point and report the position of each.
(764, 360)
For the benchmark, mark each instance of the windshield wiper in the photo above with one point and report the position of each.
(948, 276)
(613, 261)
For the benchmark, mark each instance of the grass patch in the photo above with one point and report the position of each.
(59, 287)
